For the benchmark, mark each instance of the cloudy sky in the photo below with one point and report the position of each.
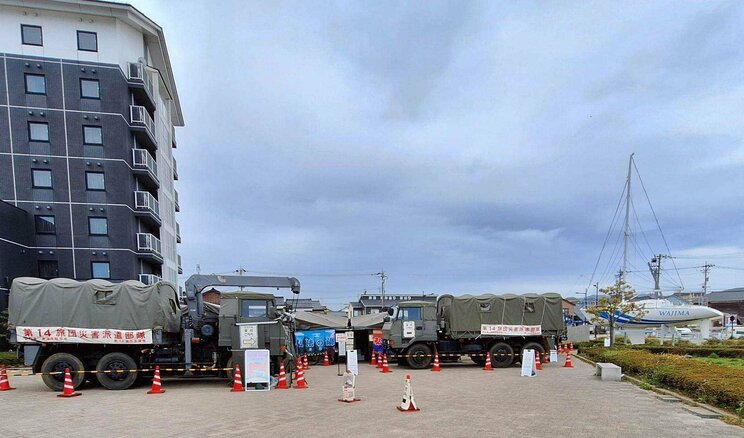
(462, 147)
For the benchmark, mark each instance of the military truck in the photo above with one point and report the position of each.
(108, 333)
(498, 325)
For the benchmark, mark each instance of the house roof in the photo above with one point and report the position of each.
(728, 295)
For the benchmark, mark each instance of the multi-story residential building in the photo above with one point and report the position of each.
(88, 106)
(374, 302)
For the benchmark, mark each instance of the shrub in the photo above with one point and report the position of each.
(716, 384)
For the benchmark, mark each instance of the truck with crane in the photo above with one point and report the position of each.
(116, 334)
(500, 326)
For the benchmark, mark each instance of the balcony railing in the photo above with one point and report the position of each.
(145, 201)
(175, 169)
(137, 73)
(138, 115)
(175, 199)
(141, 159)
(148, 243)
(149, 278)
(178, 232)
(180, 267)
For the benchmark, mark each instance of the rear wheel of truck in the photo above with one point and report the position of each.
(502, 355)
(57, 363)
(533, 346)
(114, 371)
(419, 356)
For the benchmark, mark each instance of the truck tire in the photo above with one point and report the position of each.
(532, 346)
(229, 373)
(419, 356)
(57, 363)
(502, 355)
(119, 375)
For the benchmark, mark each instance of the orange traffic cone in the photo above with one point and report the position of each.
(538, 364)
(374, 359)
(546, 357)
(325, 359)
(4, 382)
(385, 367)
(436, 366)
(488, 366)
(568, 363)
(237, 380)
(570, 347)
(282, 378)
(300, 383)
(408, 404)
(156, 386)
(305, 366)
(68, 389)
(379, 360)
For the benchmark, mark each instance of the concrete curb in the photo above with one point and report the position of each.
(683, 398)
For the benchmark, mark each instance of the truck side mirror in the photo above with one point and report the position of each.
(386, 319)
(391, 311)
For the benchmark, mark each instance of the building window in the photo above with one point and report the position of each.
(45, 224)
(38, 131)
(90, 89)
(100, 270)
(92, 135)
(95, 181)
(31, 35)
(87, 41)
(48, 269)
(97, 226)
(41, 178)
(35, 84)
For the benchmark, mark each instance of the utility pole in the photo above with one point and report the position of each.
(382, 276)
(596, 294)
(706, 278)
(240, 271)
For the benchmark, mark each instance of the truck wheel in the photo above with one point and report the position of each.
(114, 371)
(419, 356)
(229, 373)
(532, 346)
(502, 355)
(57, 363)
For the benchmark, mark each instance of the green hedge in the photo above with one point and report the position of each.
(707, 382)
(9, 359)
(694, 351)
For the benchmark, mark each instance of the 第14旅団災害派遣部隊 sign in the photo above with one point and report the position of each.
(510, 330)
(78, 335)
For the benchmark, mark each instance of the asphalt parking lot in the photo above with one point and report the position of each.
(462, 400)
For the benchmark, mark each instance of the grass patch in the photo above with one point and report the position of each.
(727, 362)
(9, 359)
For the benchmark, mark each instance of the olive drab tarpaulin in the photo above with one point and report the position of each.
(464, 315)
(62, 302)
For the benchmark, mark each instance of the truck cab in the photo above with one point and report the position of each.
(412, 328)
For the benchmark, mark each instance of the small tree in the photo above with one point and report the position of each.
(617, 301)
(3, 328)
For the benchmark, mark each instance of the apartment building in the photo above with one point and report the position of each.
(88, 106)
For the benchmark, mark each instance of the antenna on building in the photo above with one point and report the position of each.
(198, 269)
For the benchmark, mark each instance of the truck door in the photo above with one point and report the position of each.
(412, 323)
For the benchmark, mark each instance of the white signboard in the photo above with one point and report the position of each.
(340, 337)
(342, 348)
(351, 362)
(529, 368)
(248, 336)
(349, 335)
(554, 355)
(607, 342)
(409, 329)
(510, 330)
(256, 371)
(83, 335)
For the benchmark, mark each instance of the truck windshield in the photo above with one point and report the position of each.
(254, 308)
(409, 314)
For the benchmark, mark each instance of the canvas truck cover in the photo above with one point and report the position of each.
(464, 315)
(93, 304)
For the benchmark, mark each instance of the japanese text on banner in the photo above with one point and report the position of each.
(83, 335)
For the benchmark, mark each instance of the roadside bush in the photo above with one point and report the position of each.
(715, 384)
(9, 359)
(681, 350)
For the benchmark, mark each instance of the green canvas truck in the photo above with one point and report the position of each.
(498, 325)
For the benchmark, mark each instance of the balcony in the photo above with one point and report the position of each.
(143, 127)
(180, 267)
(146, 168)
(173, 138)
(175, 170)
(178, 232)
(149, 278)
(141, 85)
(175, 200)
(148, 248)
(147, 208)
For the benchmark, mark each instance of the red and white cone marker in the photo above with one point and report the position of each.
(237, 380)
(300, 382)
(374, 359)
(379, 360)
(326, 363)
(408, 404)
(305, 366)
(68, 390)
(570, 347)
(538, 364)
(546, 357)
(282, 377)
(436, 366)
(385, 367)
(4, 382)
(568, 363)
(156, 386)
(488, 366)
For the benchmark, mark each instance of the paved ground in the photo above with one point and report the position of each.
(462, 400)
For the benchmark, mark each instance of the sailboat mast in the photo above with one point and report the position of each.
(627, 220)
